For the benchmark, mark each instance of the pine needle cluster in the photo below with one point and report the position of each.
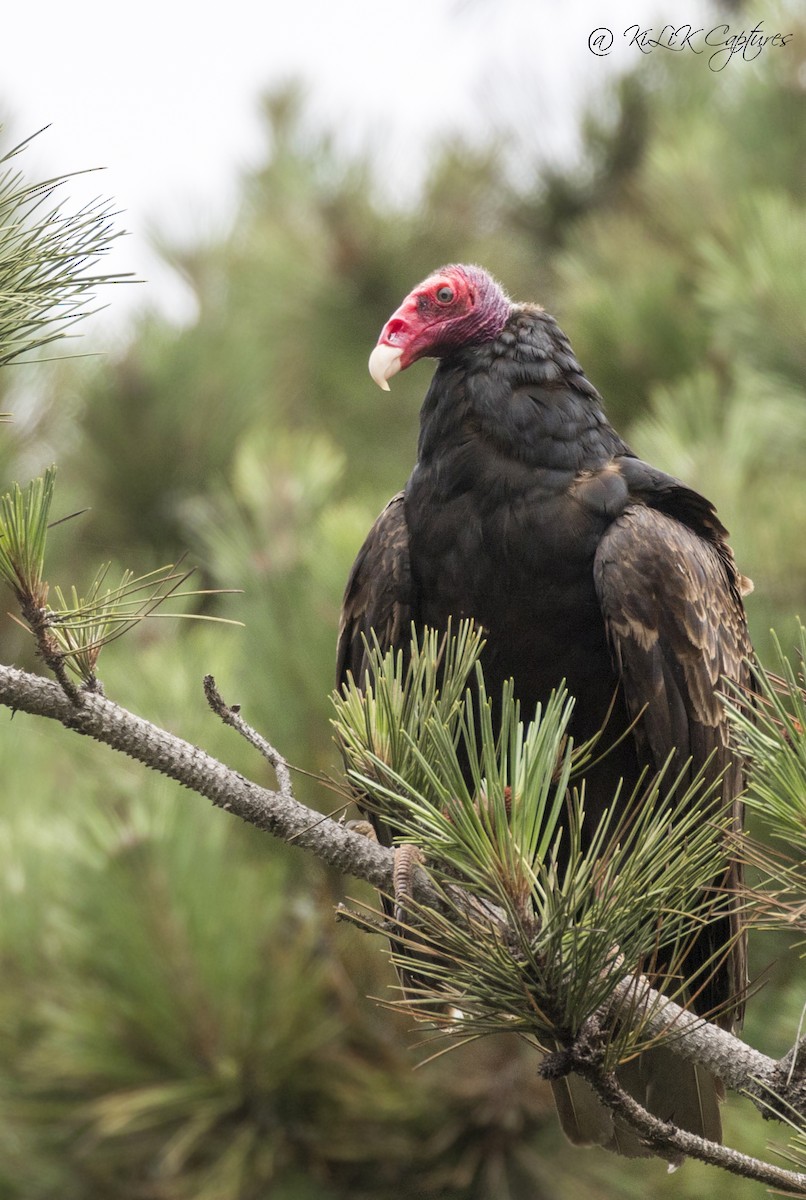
(71, 633)
(543, 913)
(48, 259)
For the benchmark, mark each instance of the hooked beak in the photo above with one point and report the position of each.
(384, 362)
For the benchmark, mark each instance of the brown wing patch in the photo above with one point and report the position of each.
(674, 620)
(672, 608)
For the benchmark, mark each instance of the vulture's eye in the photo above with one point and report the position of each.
(444, 294)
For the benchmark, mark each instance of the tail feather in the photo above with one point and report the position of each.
(669, 1088)
(683, 1093)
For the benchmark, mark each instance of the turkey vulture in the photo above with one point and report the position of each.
(527, 512)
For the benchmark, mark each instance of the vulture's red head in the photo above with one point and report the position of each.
(456, 306)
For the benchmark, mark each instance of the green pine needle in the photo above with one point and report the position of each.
(82, 627)
(770, 730)
(380, 727)
(23, 535)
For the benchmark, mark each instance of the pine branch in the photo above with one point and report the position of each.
(771, 1084)
(492, 807)
(666, 1139)
(284, 817)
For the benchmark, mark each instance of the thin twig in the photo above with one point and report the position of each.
(230, 715)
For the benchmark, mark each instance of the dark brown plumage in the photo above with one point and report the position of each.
(526, 511)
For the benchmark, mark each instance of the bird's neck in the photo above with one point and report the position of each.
(523, 397)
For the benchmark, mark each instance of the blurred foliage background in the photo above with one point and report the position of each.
(180, 1017)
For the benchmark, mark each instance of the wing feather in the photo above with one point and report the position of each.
(379, 594)
(675, 621)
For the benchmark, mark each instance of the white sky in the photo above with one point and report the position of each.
(165, 94)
